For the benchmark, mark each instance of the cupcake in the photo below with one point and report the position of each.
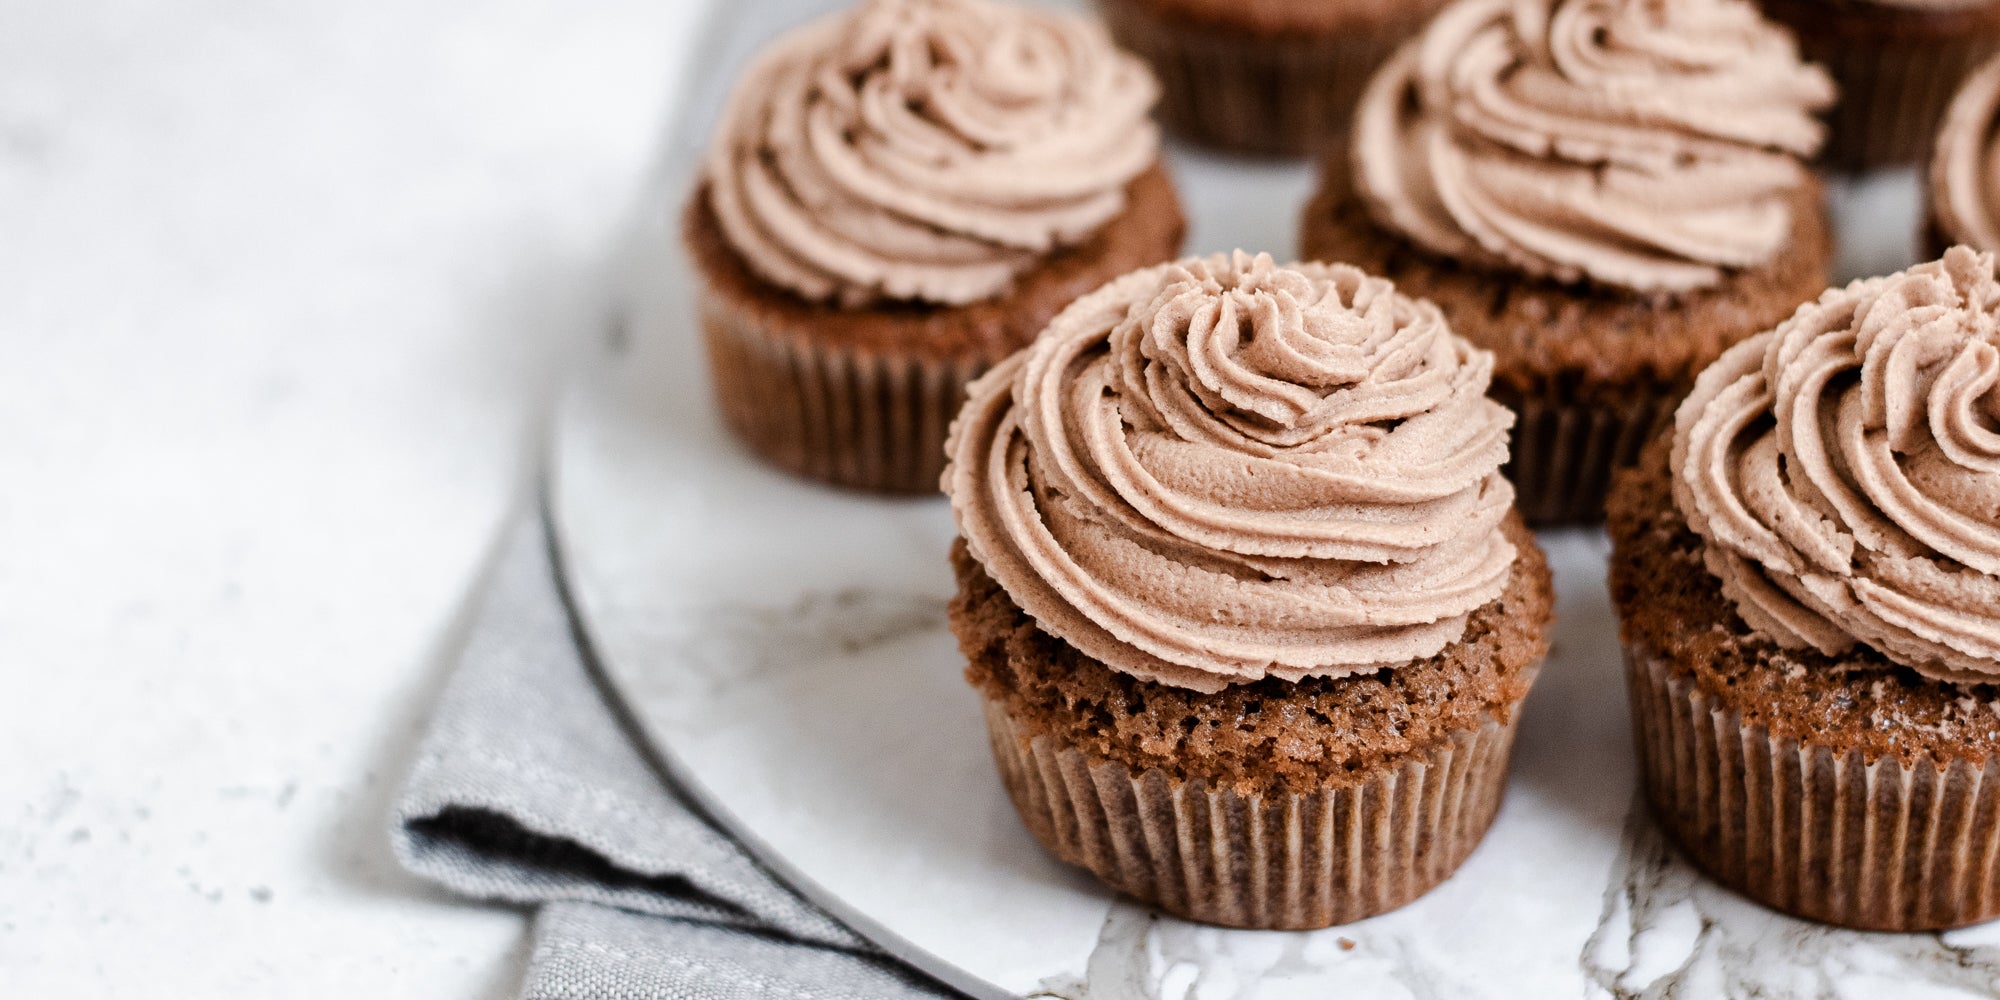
(1897, 62)
(1963, 187)
(1807, 572)
(1263, 77)
(899, 196)
(1604, 194)
(1243, 592)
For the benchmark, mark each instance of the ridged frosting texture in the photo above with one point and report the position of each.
(1218, 470)
(1965, 168)
(927, 150)
(1844, 470)
(1644, 145)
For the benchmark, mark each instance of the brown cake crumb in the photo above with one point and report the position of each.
(1670, 604)
(1272, 735)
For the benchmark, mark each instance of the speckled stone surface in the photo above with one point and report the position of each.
(285, 288)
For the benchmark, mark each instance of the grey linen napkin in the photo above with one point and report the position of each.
(529, 788)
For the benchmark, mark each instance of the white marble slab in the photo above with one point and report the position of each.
(784, 647)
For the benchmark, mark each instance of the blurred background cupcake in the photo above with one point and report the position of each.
(1897, 63)
(1244, 592)
(900, 195)
(1604, 193)
(1963, 183)
(1263, 77)
(1807, 574)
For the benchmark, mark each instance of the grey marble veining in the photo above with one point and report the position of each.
(784, 647)
(730, 644)
(1667, 931)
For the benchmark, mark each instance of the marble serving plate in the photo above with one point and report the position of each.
(783, 648)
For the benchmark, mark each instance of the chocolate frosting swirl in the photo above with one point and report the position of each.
(1220, 469)
(1643, 145)
(1965, 170)
(927, 150)
(1844, 470)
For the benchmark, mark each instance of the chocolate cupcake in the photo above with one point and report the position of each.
(1897, 63)
(899, 196)
(1243, 592)
(1604, 194)
(1963, 189)
(1807, 573)
(1263, 77)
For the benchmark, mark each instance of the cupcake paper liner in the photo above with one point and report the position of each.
(1246, 93)
(1222, 856)
(1563, 453)
(844, 417)
(1879, 845)
(1893, 92)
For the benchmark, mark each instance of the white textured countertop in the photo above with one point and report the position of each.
(281, 287)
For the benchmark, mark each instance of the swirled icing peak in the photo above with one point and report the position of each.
(1650, 145)
(1844, 470)
(927, 150)
(1216, 470)
(1965, 169)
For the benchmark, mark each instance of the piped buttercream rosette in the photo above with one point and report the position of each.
(1645, 145)
(1221, 469)
(1965, 165)
(1844, 471)
(928, 150)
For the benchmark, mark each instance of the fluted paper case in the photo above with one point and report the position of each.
(1564, 452)
(1881, 844)
(1279, 862)
(837, 415)
(1260, 93)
